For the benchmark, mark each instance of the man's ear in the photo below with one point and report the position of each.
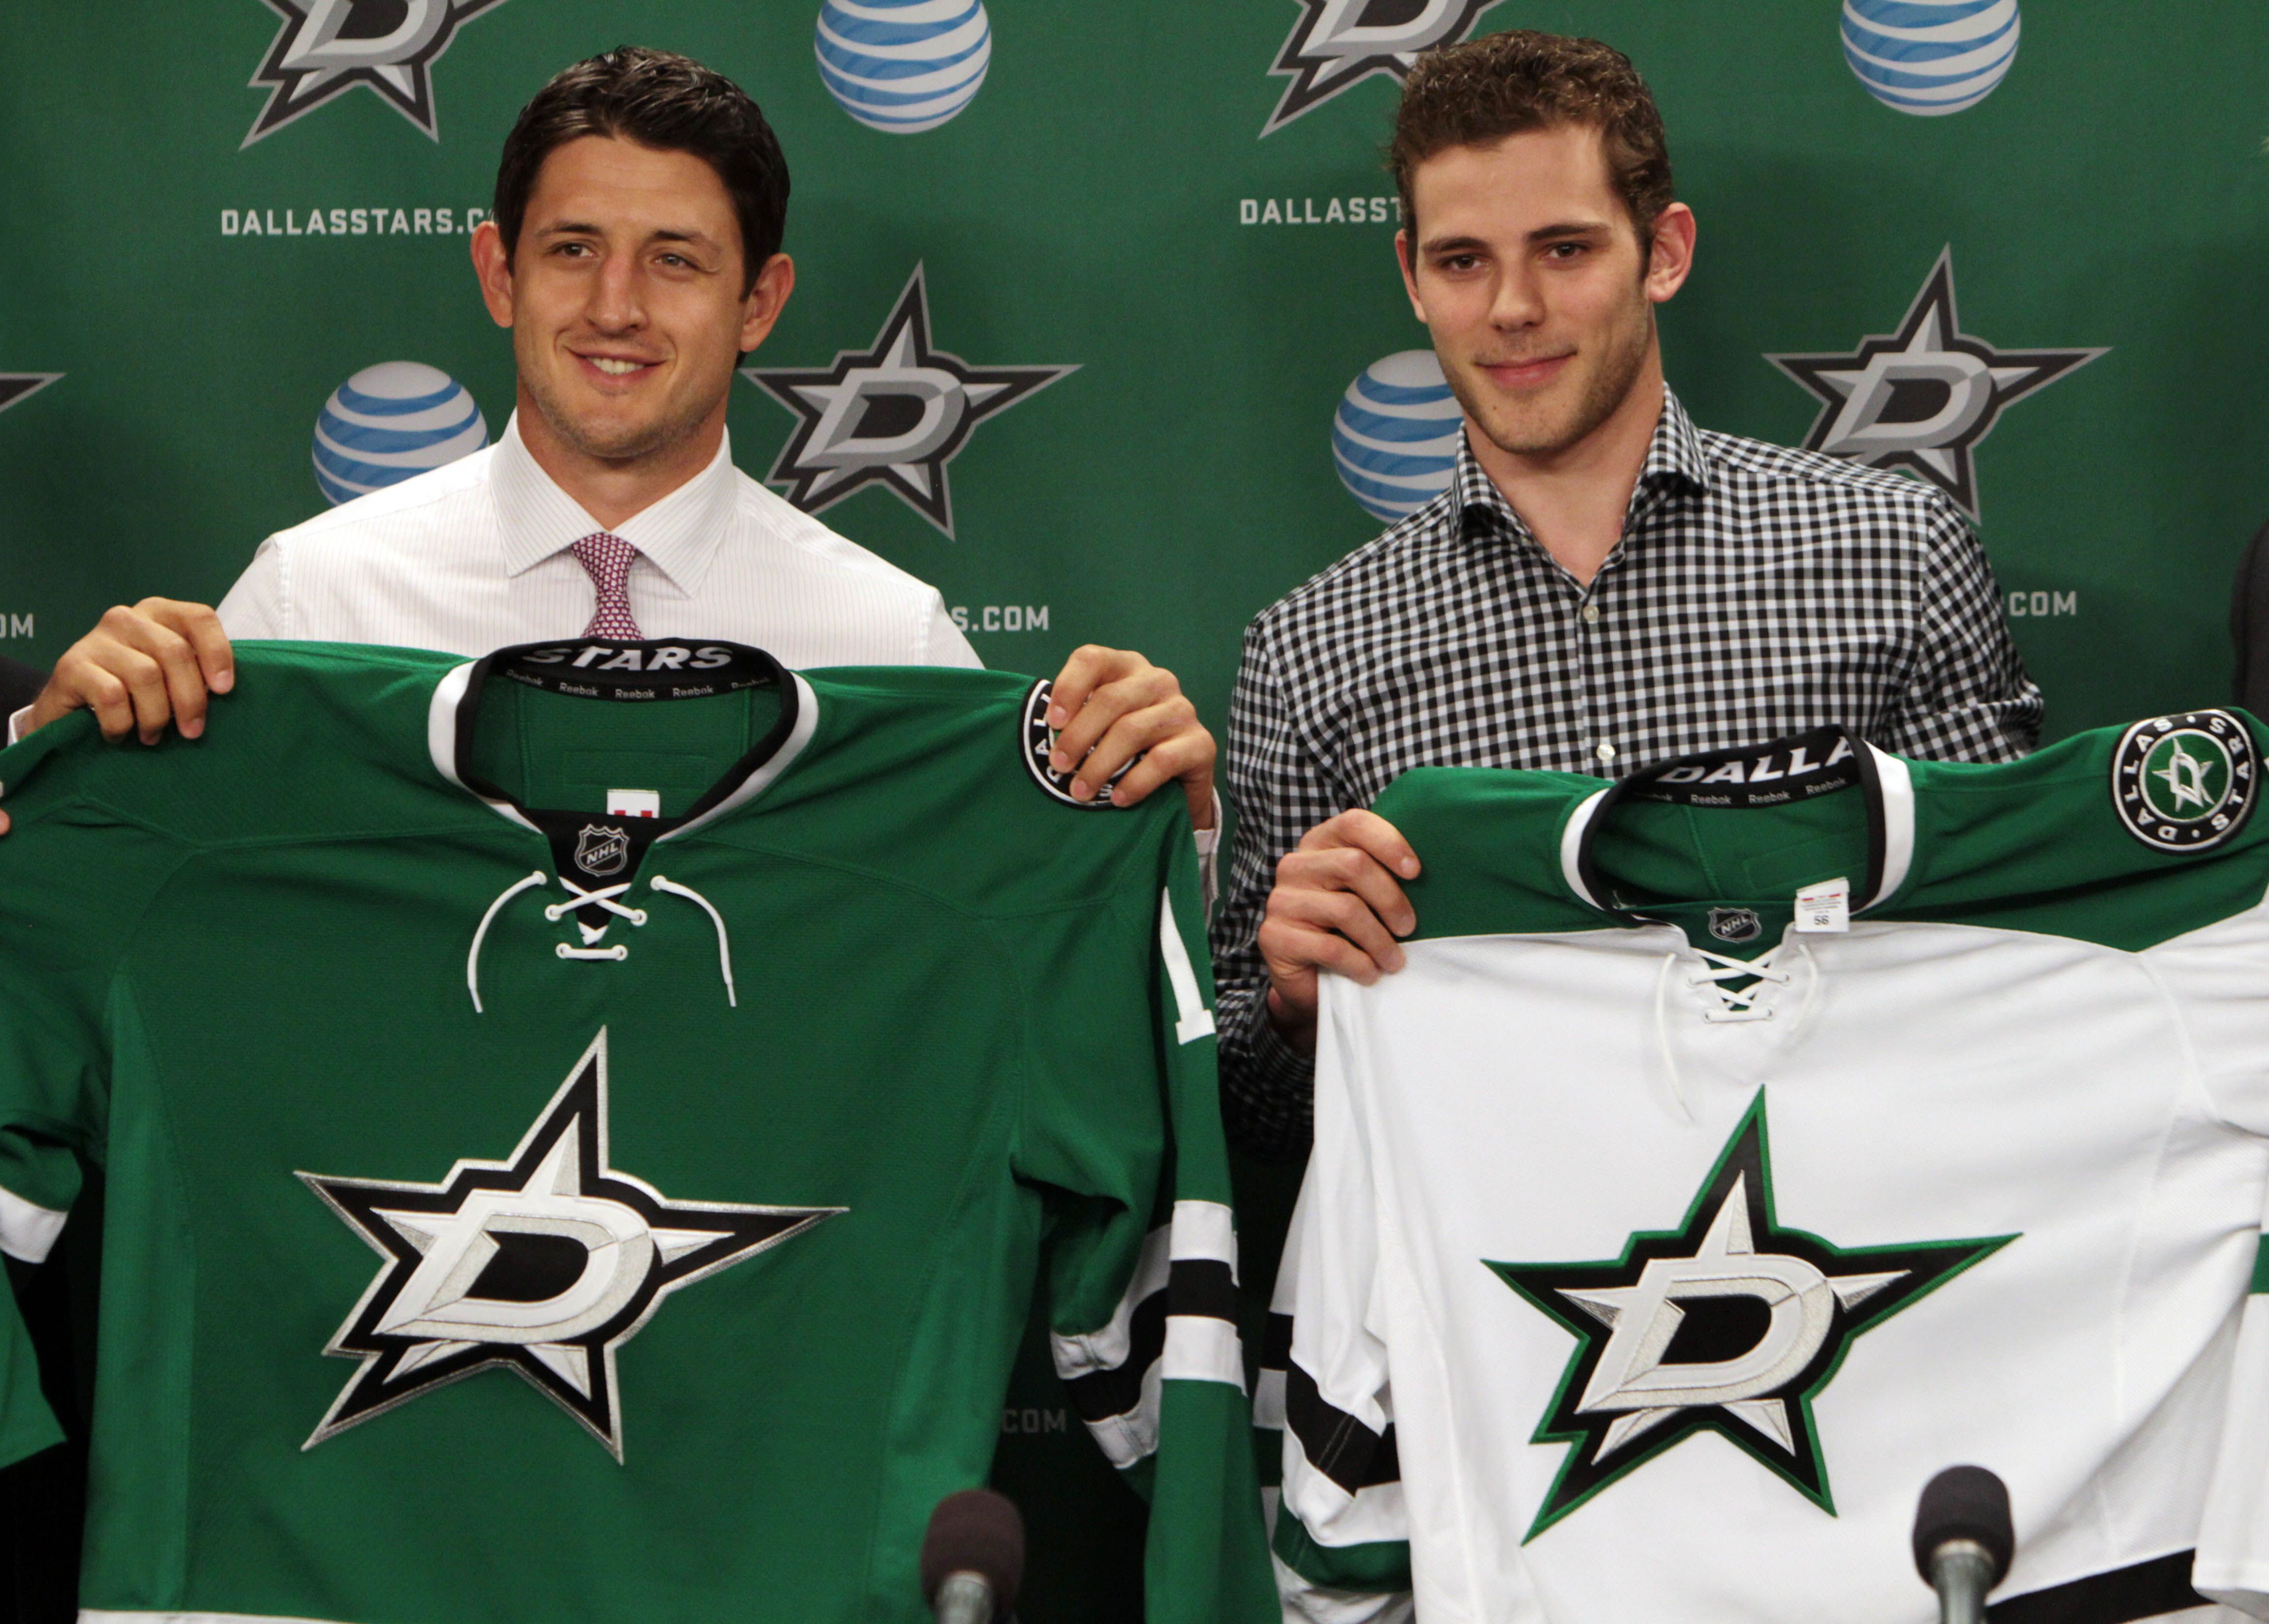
(766, 298)
(493, 264)
(1670, 257)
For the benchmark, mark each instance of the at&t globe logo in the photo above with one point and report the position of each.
(389, 421)
(903, 66)
(1394, 436)
(1929, 56)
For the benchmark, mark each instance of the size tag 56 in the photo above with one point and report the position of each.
(1826, 906)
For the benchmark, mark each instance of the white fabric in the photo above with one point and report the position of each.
(1498, 1100)
(28, 1232)
(474, 557)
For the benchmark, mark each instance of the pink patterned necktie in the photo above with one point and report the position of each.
(607, 560)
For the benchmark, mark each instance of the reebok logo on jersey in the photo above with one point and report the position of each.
(601, 851)
(544, 1264)
(1730, 1323)
(1039, 743)
(2185, 783)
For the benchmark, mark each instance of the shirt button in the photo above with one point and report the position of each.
(1591, 613)
(1605, 752)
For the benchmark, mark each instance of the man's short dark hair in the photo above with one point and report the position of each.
(1506, 84)
(662, 100)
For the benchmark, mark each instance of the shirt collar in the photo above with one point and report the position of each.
(679, 532)
(1674, 461)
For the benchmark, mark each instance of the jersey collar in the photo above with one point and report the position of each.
(456, 707)
(1815, 762)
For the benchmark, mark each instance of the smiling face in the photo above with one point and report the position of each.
(1528, 271)
(629, 302)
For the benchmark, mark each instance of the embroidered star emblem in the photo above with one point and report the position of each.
(893, 414)
(1925, 396)
(544, 1264)
(1730, 1323)
(326, 47)
(17, 387)
(2184, 775)
(1337, 44)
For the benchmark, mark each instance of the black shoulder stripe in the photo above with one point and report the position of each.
(1336, 1443)
(2144, 1591)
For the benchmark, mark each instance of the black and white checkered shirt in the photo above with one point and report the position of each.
(1756, 592)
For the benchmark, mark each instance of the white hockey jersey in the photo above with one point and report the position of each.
(1747, 1141)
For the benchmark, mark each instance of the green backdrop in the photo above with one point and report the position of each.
(1087, 207)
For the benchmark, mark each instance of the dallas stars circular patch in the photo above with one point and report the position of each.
(2185, 783)
(1041, 743)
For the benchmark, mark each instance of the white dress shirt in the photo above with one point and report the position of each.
(473, 557)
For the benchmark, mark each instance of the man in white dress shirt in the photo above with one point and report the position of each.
(633, 253)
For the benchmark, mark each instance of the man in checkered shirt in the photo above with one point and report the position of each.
(1603, 585)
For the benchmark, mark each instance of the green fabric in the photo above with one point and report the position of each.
(2033, 845)
(1381, 1568)
(231, 961)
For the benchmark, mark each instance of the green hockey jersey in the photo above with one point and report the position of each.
(582, 1128)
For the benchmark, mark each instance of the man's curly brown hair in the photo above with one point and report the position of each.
(1504, 84)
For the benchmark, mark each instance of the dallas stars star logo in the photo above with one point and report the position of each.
(17, 387)
(1730, 1323)
(1337, 44)
(893, 414)
(326, 47)
(544, 1264)
(1924, 397)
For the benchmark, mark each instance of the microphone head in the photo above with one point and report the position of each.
(978, 1532)
(1964, 1503)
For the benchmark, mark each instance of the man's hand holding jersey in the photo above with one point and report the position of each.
(1338, 905)
(158, 662)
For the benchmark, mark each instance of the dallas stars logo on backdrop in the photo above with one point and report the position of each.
(1730, 1325)
(1340, 43)
(893, 414)
(326, 47)
(17, 387)
(1924, 397)
(544, 1264)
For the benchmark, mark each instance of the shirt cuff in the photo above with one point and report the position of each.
(18, 722)
(1208, 855)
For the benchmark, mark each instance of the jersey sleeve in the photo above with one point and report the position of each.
(1123, 1125)
(1342, 1535)
(70, 880)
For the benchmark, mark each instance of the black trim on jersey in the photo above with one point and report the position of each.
(2145, 1590)
(1203, 1288)
(619, 845)
(1336, 1443)
(1276, 1342)
(1683, 782)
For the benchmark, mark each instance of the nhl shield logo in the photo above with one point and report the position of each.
(602, 851)
(1735, 924)
(2185, 783)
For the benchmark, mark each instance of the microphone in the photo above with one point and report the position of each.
(1962, 1539)
(973, 1558)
